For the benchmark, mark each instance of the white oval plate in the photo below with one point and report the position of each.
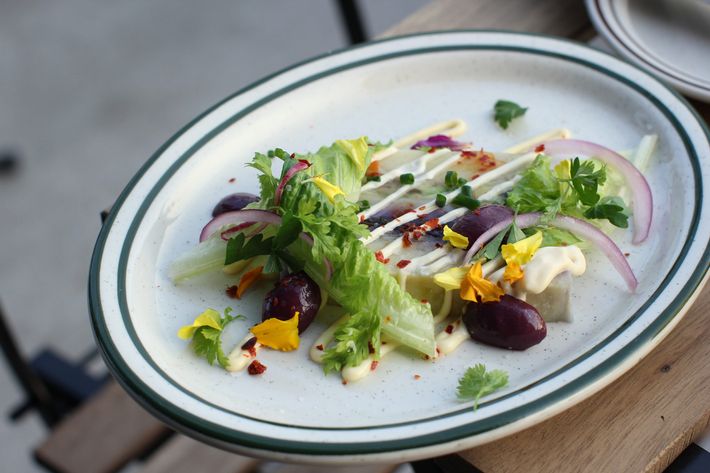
(669, 38)
(386, 89)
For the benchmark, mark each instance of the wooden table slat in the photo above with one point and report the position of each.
(182, 454)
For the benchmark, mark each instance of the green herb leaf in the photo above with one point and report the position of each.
(516, 234)
(492, 248)
(612, 209)
(506, 111)
(451, 179)
(464, 200)
(586, 181)
(207, 341)
(440, 200)
(477, 382)
(288, 232)
(353, 340)
(238, 248)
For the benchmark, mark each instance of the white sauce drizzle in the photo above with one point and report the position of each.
(416, 167)
(239, 358)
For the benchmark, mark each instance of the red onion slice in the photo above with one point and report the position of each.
(237, 217)
(642, 200)
(301, 165)
(579, 227)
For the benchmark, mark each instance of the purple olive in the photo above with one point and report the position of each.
(509, 323)
(295, 292)
(233, 202)
(473, 224)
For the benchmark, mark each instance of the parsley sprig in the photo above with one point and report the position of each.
(207, 340)
(506, 111)
(477, 382)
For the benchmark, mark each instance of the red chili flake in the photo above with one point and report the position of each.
(417, 234)
(249, 344)
(426, 357)
(381, 258)
(449, 328)
(627, 254)
(388, 319)
(231, 180)
(304, 161)
(438, 352)
(432, 224)
(468, 154)
(475, 176)
(417, 377)
(344, 382)
(432, 150)
(370, 348)
(403, 263)
(424, 301)
(256, 368)
(373, 365)
(362, 218)
(540, 148)
(232, 291)
(477, 211)
(320, 347)
(422, 207)
(406, 242)
(438, 245)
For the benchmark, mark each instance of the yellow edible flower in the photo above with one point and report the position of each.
(451, 278)
(456, 239)
(521, 251)
(475, 285)
(564, 169)
(330, 190)
(209, 318)
(513, 272)
(278, 334)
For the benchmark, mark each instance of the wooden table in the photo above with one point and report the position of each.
(642, 421)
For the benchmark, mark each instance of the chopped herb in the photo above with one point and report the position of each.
(466, 190)
(440, 200)
(407, 178)
(463, 200)
(373, 178)
(239, 248)
(610, 208)
(461, 181)
(477, 382)
(363, 205)
(451, 179)
(506, 111)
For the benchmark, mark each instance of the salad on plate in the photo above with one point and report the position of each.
(420, 244)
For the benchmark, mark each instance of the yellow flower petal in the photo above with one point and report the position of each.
(456, 239)
(513, 272)
(475, 285)
(521, 251)
(330, 190)
(451, 279)
(209, 318)
(278, 334)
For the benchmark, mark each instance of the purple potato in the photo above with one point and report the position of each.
(234, 202)
(509, 323)
(295, 292)
(473, 224)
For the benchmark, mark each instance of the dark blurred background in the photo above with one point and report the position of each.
(88, 91)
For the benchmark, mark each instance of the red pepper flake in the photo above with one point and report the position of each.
(388, 319)
(344, 382)
(540, 148)
(249, 344)
(432, 224)
(468, 154)
(406, 242)
(627, 254)
(362, 218)
(373, 365)
(381, 258)
(426, 357)
(438, 352)
(256, 368)
(403, 263)
(232, 291)
(449, 329)
(433, 148)
(475, 176)
(231, 180)
(422, 207)
(293, 155)
(424, 301)
(417, 234)
(320, 347)
(370, 348)
(417, 377)
(438, 245)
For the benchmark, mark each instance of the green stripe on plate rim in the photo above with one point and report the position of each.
(175, 415)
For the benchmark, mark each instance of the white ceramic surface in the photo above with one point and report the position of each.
(384, 90)
(669, 38)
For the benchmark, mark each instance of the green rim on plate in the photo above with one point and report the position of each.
(186, 420)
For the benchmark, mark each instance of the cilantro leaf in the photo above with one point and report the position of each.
(477, 382)
(612, 209)
(506, 111)
(586, 181)
(239, 248)
(207, 341)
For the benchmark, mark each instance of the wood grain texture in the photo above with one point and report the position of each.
(555, 17)
(184, 455)
(290, 468)
(641, 422)
(102, 435)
